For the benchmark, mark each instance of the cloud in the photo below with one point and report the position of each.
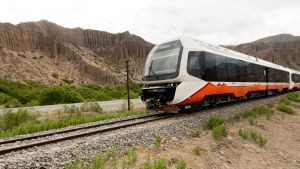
(215, 21)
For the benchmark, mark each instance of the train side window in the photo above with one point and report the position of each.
(221, 68)
(231, 69)
(209, 73)
(195, 64)
(249, 72)
(241, 71)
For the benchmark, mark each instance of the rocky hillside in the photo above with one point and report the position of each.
(283, 49)
(46, 52)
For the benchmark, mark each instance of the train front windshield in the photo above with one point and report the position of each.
(163, 61)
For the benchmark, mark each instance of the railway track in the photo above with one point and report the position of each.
(108, 127)
(87, 132)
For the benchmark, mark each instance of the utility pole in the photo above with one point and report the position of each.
(127, 74)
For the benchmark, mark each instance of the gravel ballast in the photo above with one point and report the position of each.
(57, 155)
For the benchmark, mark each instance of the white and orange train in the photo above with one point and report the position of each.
(187, 72)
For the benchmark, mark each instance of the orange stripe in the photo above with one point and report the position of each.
(236, 91)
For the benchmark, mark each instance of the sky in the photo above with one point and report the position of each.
(223, 22)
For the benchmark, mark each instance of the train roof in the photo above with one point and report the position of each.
(195, 44)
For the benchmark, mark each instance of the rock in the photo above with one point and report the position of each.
(83, 55)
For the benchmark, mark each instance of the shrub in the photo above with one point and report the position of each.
(219, 131)
(286, 109)
(59, 94)
(253, 135)
(196, 133)
(255, 111)
(101, 96)
(36, 126)
(285, 100)
(293, 97)
(4, 98)
(95, 107)
(14, 119)
(181, 164)
(197, 151)
(12, 103)
(157, 140)
(214, 121)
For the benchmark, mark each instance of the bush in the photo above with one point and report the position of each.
(101, 96)
(59, 94)
(286, 109)
(12, 103)
(196, 133)
(285, 101)
(214, 121)
(293, 97)
(219, 131)
(255, 111)
(197, 151)
(14, 119)
(4, 98)
(253, 135)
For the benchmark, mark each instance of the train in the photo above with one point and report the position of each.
(186, 73)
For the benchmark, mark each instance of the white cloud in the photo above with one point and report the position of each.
(216, 21)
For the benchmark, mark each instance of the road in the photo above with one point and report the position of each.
(107, 106)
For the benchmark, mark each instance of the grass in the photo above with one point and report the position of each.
(181, 164)
(31, 125)
(214, 121)
(157, 141)
(30, 93)
(132, 156)
(256, 111)
(91, 107)
(196, 133)
(293, 97)
(286, 109)
(285, 101)
(159, 163)
(197, 150)
(220, 131)
(253, 135)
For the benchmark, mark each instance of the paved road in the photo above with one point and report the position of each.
(113, 105)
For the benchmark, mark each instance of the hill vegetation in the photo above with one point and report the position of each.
(29, 93)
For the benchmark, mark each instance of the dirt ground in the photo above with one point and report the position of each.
(282, 149)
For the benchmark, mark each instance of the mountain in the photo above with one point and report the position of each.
(278, 38)
(283, 49)
(46, 52)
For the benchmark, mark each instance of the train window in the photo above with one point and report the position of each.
(195, 64)
(221, 68)
(210, 67)
(259, 73)
(231, 69)
(276, 75)
(296, 78)
(241, 71)
(249, 72)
